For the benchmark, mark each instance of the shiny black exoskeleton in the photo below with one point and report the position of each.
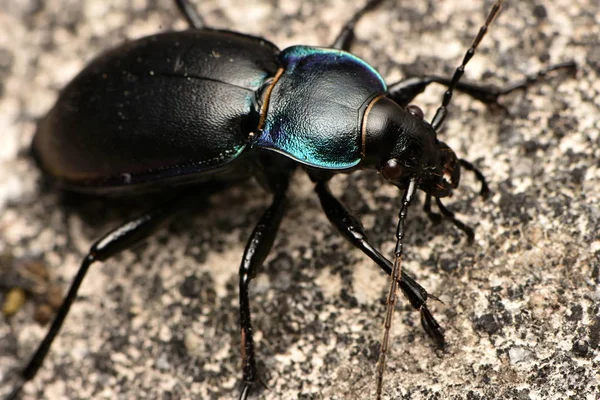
(179, 109)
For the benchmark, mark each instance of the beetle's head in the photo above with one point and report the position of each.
(402, 146)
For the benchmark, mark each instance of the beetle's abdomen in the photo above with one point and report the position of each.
(316, 107)
(158, 108)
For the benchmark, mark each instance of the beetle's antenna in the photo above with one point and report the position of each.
(442, 111)
(395, 277)
(436, 123)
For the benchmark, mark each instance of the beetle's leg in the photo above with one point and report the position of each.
(257, 249)
(111, 244)
(434, 217)
(404, 92)
(352, 230)
(190, 14)
(458, 223)
(344, 39)
(485, 189)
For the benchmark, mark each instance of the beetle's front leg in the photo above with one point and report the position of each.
(257, 249)
(353, 231)
(405, 91)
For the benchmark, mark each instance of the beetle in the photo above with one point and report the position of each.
(178, 110)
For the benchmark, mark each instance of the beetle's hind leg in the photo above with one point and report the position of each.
(124, 237)
(190, 14)
(352, 230)
(405, 91)
(344, 39)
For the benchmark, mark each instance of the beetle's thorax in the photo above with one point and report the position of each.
(314, 109)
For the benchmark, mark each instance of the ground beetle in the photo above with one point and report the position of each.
(181, 110)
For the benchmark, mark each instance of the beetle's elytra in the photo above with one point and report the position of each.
(178, 110)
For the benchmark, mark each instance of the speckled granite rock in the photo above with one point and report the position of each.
(522, 307)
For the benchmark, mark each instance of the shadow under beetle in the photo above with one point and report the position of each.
(181, 109)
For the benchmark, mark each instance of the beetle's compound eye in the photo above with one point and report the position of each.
(392, 170)
(415, 110)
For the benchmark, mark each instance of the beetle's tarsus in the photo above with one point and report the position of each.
(532, 79)
(403, 92)
(246, 390)
(485, 189)
(15, 394)
(431, 296)
(433, 329)
(458, 223)
(445, 213)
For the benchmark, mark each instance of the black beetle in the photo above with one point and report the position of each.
(177, 110)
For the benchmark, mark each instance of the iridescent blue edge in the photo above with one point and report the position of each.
(316, 107)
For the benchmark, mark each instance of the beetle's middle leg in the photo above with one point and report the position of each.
(344, 39)
(352, 230)
(190, 14)
(256, 251)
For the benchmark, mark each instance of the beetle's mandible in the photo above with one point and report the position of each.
(178, 111)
